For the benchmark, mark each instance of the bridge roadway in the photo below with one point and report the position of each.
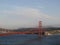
(25, 32)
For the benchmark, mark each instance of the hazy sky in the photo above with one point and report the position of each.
(27, 13)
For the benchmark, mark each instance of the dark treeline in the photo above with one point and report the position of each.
(29, 29)
(53, 28)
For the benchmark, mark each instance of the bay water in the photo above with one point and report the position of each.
(28, 39)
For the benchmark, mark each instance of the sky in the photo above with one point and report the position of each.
(27, 13)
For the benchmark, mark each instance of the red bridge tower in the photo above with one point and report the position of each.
(40, 29)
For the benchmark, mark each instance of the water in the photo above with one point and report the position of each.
(29, 40)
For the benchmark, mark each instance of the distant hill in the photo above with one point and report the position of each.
(28, 29)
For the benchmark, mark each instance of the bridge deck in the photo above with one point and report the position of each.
(26, 32)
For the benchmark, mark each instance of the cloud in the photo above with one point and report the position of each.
(25, 17)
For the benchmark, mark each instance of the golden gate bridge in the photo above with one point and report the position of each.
(40, 32)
